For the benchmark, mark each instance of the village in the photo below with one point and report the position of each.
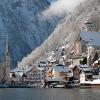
(80, 68)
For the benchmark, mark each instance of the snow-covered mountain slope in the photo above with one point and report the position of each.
(67, 29)
(25, 26)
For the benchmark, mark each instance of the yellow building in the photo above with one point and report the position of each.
(58, 73)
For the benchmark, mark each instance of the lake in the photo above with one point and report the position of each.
(49, 94)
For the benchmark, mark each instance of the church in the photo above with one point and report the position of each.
(5, 66)
(87, 43)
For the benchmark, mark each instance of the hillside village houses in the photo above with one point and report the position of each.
(87, 43)
(32, 75)
(84, 60)
(86, 51)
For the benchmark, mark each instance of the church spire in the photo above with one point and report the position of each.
(7, 55)
(6, 51)
(7, 61)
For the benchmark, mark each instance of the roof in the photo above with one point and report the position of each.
(84, 68)
(92, 38)
(21, 71)
(51, 59)
(96, 62)
(40, 68)
(60, 68)
(18, 71)
(42, 64)
(55, 79)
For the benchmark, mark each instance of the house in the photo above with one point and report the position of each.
(17, 79)
(60, 73)
(42, 64)
(96, 67)
(30, 75)
(35, 75)
(51, 59)
(78, 69)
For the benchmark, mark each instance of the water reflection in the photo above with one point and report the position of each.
(49, 94)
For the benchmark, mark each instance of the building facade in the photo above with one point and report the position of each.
(58, 73)
(35, 75)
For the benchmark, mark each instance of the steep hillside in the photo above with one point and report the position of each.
(70, 26)
(67, 29)
(22, 21)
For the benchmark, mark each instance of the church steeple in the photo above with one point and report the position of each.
(7, 54)
(7, 61)
(6, 50)
(5, 65)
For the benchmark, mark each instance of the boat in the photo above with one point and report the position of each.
(91, 84)
(57, 85)
(73, 85)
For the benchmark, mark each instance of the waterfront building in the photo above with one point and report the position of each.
(82, 69)
(35, 75)
(58, 73)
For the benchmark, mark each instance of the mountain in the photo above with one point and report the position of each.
(24, 25)
(67, 30)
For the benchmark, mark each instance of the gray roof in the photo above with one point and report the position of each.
(92, 38)
(84, 68)
(61, 68)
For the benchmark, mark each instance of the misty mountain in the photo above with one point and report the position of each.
(51, 1)
(24, 25)
(67, 29)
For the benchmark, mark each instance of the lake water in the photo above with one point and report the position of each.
(49, 94)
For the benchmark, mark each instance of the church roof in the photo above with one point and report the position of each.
(92, 38)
